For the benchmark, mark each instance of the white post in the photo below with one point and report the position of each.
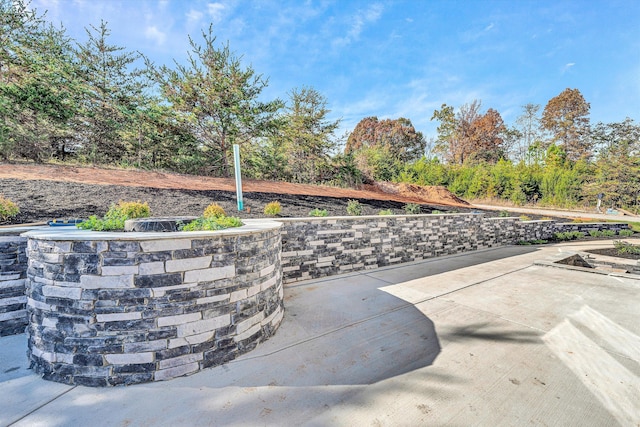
(236, 167)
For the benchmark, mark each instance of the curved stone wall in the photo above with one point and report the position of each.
(124, 308)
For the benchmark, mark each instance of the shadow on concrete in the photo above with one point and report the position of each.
(483, 331)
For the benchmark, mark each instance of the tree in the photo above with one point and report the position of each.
(217, 99)
(470, 136)
(113, 95)
(398, 136)
(566, 116)
(382, 147)
(307, 134)
(618, 164)
(39, 90)
(531, 137)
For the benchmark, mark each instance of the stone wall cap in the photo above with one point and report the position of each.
(251, 226)
(368, 217)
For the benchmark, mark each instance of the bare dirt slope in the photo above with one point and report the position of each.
(44, 192)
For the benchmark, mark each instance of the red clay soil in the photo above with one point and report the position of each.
(405, 193)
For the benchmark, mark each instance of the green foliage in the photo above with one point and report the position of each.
(385, 212)
(318, 212)
(116, 216)
(218, 99)
(568, 235)
(436, 212)
(412, 208)
(608, 233)
(273, 208)
(626, 248)
(525, 218)
(504, 214)
(625, 233)
(212, 223)
(354, 208)
(214, 211)
(8, 209)
(595, 233)
(532, 242)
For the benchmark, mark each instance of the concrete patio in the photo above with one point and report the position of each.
(484, 338)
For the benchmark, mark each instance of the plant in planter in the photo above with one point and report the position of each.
(212, 219)
(116, 216)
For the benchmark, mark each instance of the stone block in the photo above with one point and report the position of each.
(205, 325)
(62, 292)
(209, 274)
(165, 245)
(158, 280)
(130, 358)
(176, 371)
(178, 319)
(106, 282)
(119, 270)
(149, 268)
(180, 360)
(187, 264)
(115, 317)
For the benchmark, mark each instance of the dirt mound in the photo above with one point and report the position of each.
(426, 194)
(405, 193)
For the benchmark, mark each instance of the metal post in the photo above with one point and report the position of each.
(236, 167)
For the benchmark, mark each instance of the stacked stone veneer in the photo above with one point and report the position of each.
(13, 269)
(317, 247)
(123, 308)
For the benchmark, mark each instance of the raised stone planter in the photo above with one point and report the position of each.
(146, 225)
(123, 308)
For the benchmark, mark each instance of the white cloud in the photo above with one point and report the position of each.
(215, 11)
(153, 33)
(489, 27)
(360, 20)
(194, 16)
(567, 67)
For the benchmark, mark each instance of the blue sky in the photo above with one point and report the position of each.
(398, 58)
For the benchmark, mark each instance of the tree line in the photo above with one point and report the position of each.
(92, 103)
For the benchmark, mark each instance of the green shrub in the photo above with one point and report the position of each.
(212, 223)
(504, 214)
(8, 209)
(436, 212)
(116, 216)
(273, 208)
(318, 212)
(569, 235)
(354, 208)
(214, 210)
(385, 212)
(525, 218)
(608, 233)
(626, 248)
(625, 233)
(412, 208)
(595, 233)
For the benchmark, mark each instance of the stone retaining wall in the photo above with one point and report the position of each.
(123, 308)
(318, 247)
(13, 268)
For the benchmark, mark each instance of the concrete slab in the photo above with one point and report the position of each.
(486, 338)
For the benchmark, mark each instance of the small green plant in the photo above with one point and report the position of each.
(273, 208)
(318, 212)
(625, 233)
(595, 233)
(385, 212)
(116, 216)
(8, 209)
(532, 242)
(412, 208)
(212, 223)
(626, 248)
(436, 212)
(504, 214)
(214, 210)
(525, 218)
(354, 208)
(608, 233)
(568, 235)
